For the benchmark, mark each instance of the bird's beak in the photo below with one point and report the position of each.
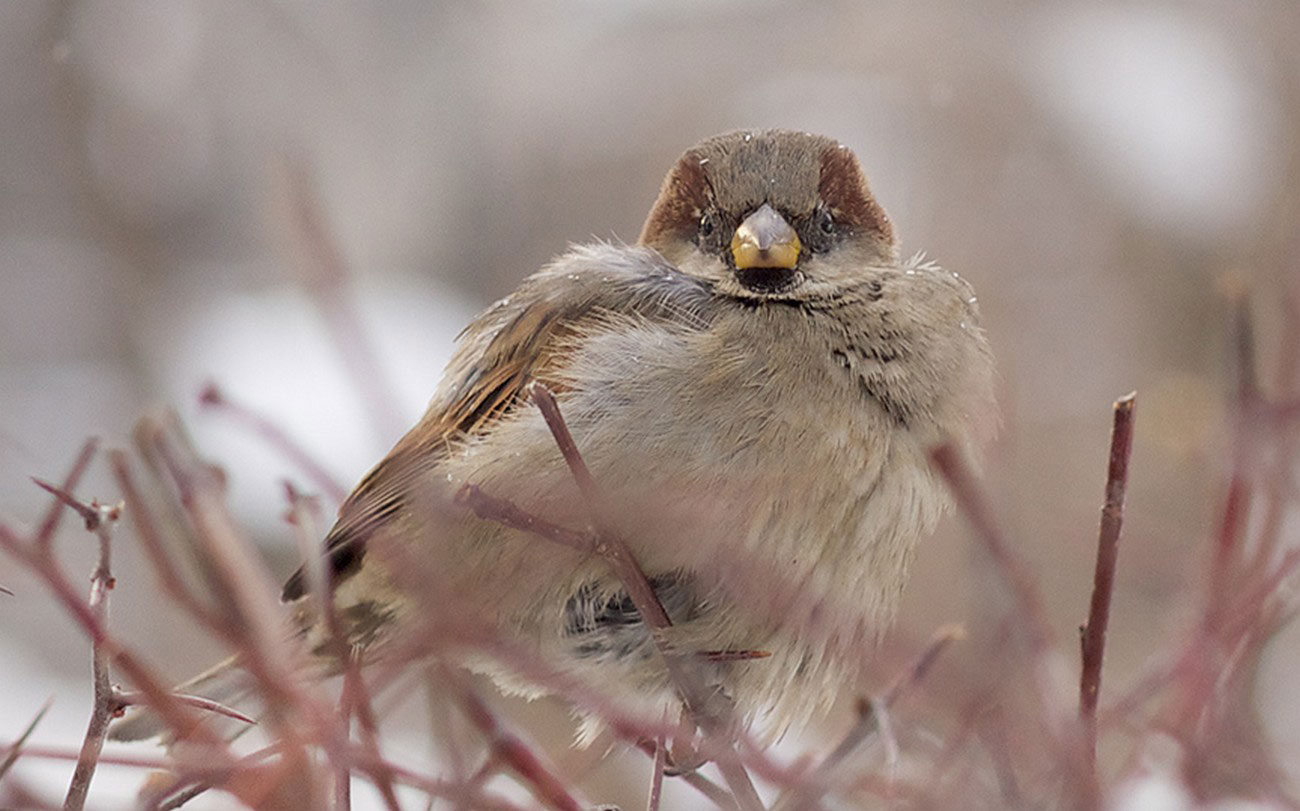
(765, 240)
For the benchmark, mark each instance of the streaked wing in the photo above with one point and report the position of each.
(517, 341)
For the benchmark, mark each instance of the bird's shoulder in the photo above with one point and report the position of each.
(527, 336)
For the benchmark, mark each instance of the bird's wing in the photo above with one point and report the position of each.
(516, 341)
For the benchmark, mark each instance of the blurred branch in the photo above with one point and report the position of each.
(1048, 669)
(325, 277)
(15, 749)
(50, 524)
(246, 614)
(198, 702)
(37, 556)
(975, 505)
(211, 396)
(1092, 635)
(150, 537)
(705, 706)
(658, 762)
(355, 698)
(516, 755)
(869, 723)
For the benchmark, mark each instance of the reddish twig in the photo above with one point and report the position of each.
(158, 696)
(1050, 675)
(198, 702)
(37, 555)
(99, 519)
(355, 699)
(361, 706)
(1093, 632)
(715, 793)
(250, 619)
(972, 501)
(69, 754)
(276, 437)
(657, 774)
(511, 515)
(325, 278)
(15, 749)
(1276, 488)
(817, 782)
(49, 525)
(704, 705)
(513, 753)
(151, 540)
(915, 673)
(608, 546)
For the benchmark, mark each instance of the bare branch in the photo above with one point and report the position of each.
(198, 702)
(511, 515)
(99, 520)
(705, 706)
(151, 539)
(252, 622)
(360, 702)
(516, 755)
(50, 524)
(324, 274)
(1050, 675)
(15, 749)
(275, 436)
(817, 782)
(657, 774)
(716, 794)
(1093, 633)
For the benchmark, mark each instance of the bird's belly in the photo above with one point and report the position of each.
(786, 522)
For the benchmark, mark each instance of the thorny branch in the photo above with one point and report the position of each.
(99, 519)
(50, 524)
(37, 555)
(1209, 668)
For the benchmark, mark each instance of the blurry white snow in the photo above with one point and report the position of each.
(271, 351)
(1151, 792)
(1166, 110)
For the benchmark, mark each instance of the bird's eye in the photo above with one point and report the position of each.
(706, 225)
(825, 222)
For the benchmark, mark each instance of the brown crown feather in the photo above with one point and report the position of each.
(741, 169)
(844, 188)
(685, 194)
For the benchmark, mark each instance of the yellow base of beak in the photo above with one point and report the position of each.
(765, 240)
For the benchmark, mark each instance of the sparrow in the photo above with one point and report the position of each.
(754, 386)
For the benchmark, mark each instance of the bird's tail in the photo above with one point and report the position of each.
(225, 683)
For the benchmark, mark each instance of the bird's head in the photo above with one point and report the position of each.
(771, 214)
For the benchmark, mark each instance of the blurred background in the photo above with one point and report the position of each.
(1097, 170)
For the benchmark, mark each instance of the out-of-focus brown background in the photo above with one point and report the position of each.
(1096, 169)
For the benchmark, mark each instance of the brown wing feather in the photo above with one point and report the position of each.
(519, 340)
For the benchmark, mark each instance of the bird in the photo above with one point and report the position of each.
(754, 385)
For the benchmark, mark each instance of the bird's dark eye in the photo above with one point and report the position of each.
(706, 225)
(825, 222)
